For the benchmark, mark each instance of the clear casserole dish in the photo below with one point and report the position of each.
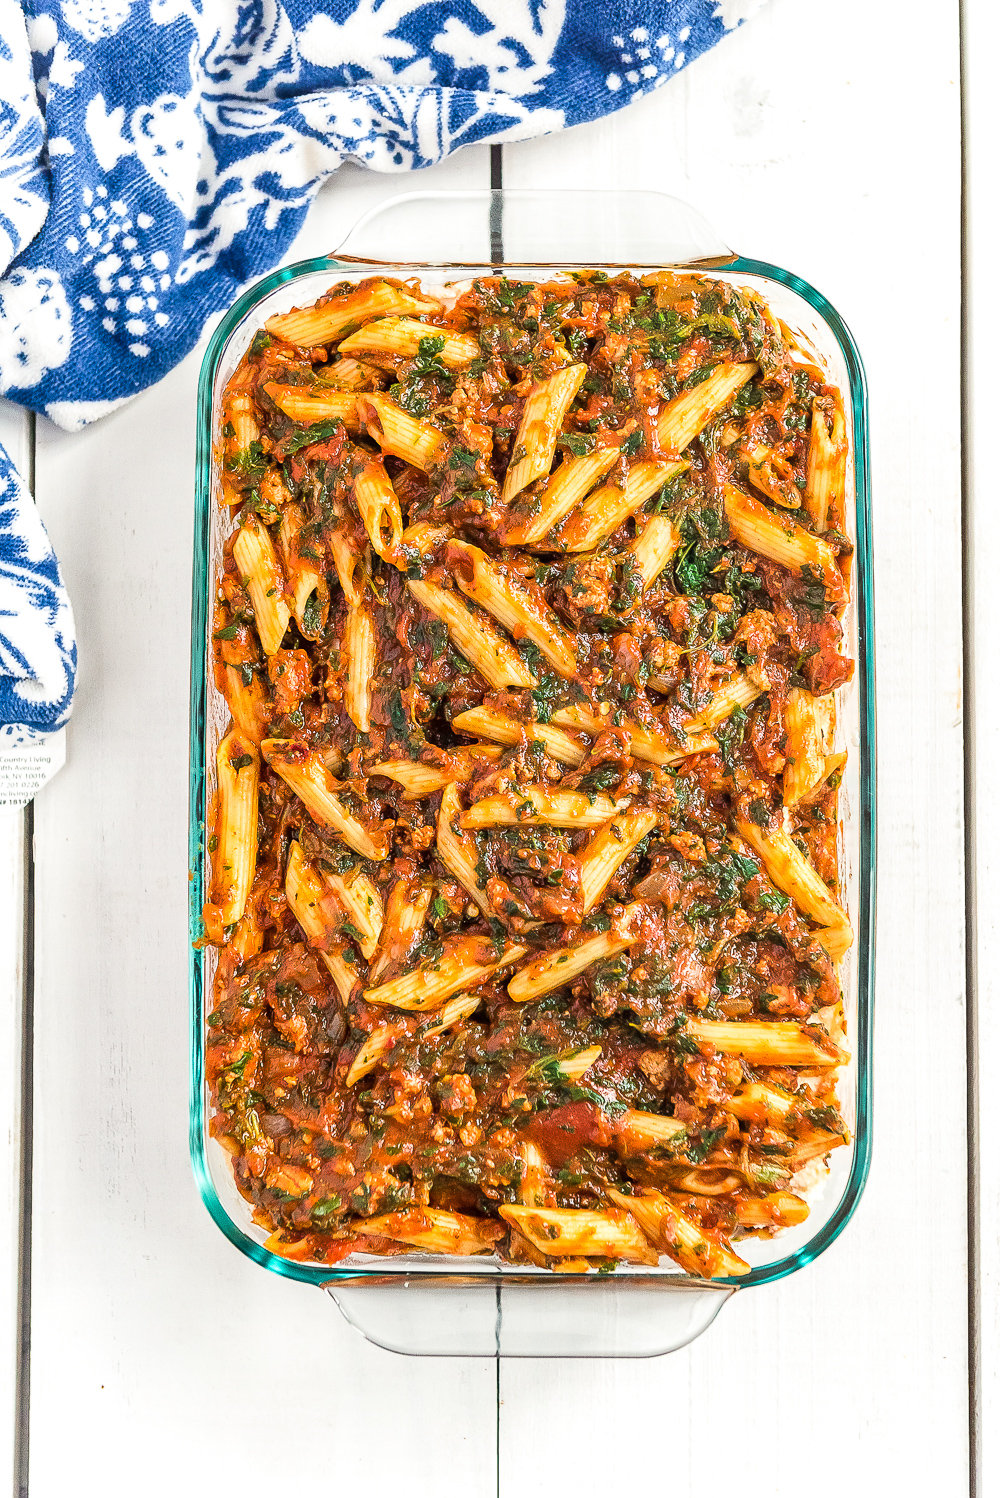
(418, 1303)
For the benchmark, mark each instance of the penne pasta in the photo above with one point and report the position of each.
(611, 1233)
(307, 589)
(491, 724)
(247, 700)
(474, 636)
(809, 756)
(384, 1037)
(524, 613)
(532, 805)
(308, 404)
(465, 962)
(827, 469)
(458, 852)
(310, 903)
(792, 872)
(254, 555)
(401, 337)
(359, 648)
(608, 508)
(402, 927)
(762, 1102)
(644, 743)
(234, 857)
(359, 898)
(779, 1209)
(399, 433)
(676, 1234)
(608, 849)
(309, 326)
(741, 691)
(636, 1132)
(560, 966)
(768, 1042)
(351, 567)
(541, 422)
(571, 482)
(782, 540)
(316, 788)
(687, 414)
(434, 1230)
(654, 547)
(378, 507)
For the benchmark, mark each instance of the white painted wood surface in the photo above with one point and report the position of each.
(15, 438)
(144, 1319)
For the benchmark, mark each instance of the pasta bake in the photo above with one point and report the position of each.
(524, 847)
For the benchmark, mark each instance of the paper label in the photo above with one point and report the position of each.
(23, 771)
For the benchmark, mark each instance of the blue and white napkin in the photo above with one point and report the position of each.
(156, 155)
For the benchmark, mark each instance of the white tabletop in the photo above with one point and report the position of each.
(823, 139)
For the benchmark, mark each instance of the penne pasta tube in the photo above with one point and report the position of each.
(555, 968)
(306, 582)
(837, 939)
(491, 724)
(768, 1042)
(676, 1234)
(687, 414)
(423, 780)
(827, 467)
(813, 1149)
(655, 546)
(541, 422)
(762, 1103)
(375, 501)
(350, 565)
(308, 326)
(434, 1230)
(237, 767)
(402, 926)
(739, 692)
(534, 1188)
(517, 607)
(773, 476)
(779, 1209)
(608, 849)
(401, 338)
(644, 743)
(310, 903)
(243, 419)
(780, 539)
(475, 636)
(359, 649)
(349, 374)
(458, 852)
(571, 482)
(792, 872)
(254, 555)
(556, 1231)
(566, 1066)
(382, 1039)
(247, 701)
(536, 805)
(809, 757)
(608, 508)
(304, 771)
(465, 962)
(636, 1132)
(359, 898)
(397, 432)
(307, 404)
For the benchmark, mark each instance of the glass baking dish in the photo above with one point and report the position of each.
(415, 1302)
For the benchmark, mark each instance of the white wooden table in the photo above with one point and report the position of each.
(156, 1357)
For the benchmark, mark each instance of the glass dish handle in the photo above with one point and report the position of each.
(520, 1316)
(521, 227)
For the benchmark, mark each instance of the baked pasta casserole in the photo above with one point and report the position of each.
(524, 832)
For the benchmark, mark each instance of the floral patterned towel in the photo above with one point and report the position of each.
(155, 155)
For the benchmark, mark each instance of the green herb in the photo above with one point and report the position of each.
(260, 342)
(441, 908)
(229, 632)
(578, 443)
(312, 615)
(699, 1149)
(633, 443)
(326, 1208)
(320, 431)
(241, 761)
(770, 899)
